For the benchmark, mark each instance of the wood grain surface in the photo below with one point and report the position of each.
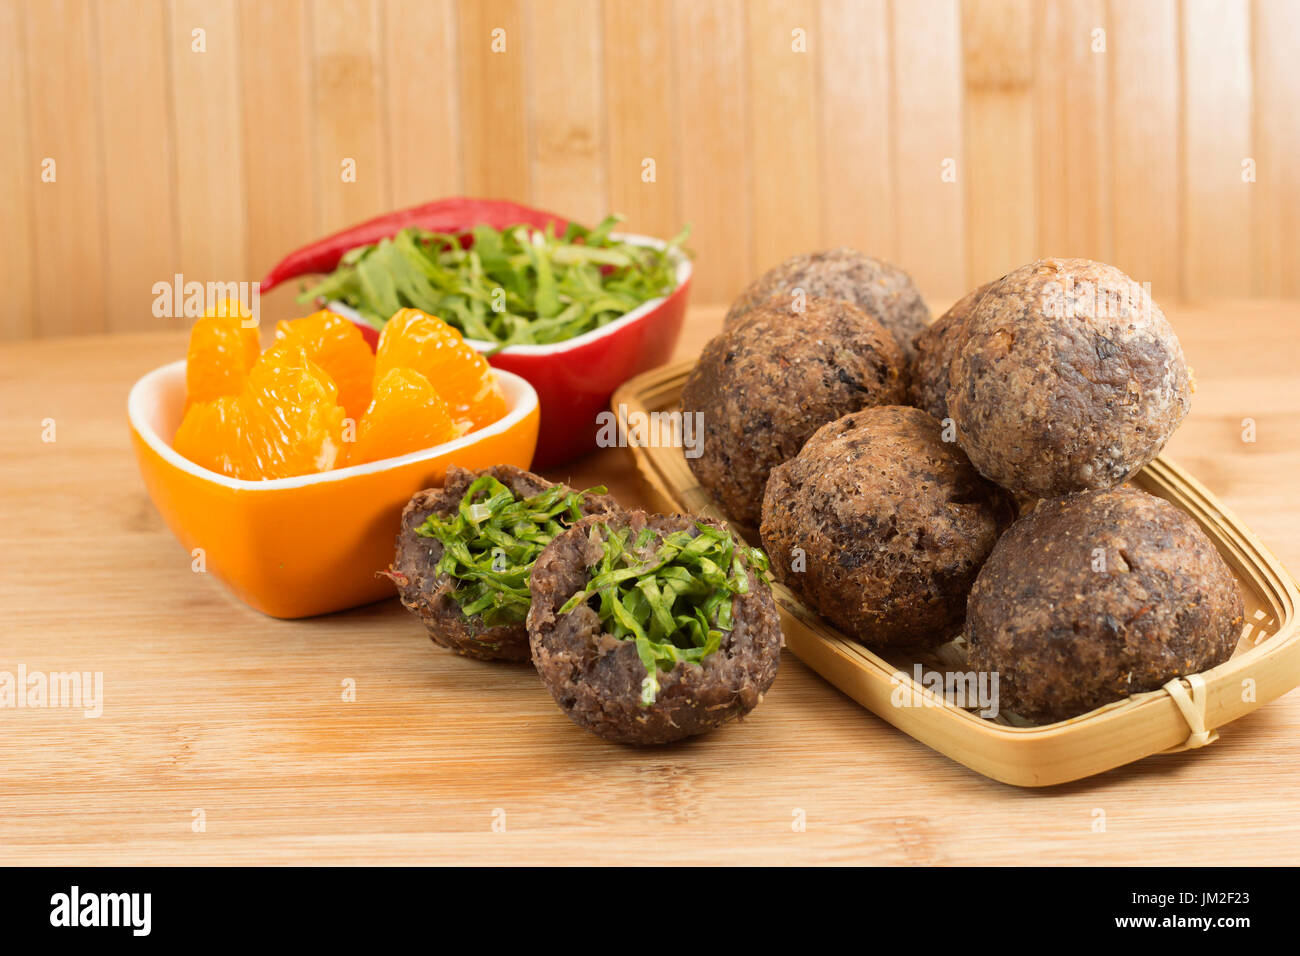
(958, 138)
(211, 707)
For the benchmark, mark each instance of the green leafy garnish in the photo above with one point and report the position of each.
(513, 287)
(672, 593)
(492, 541)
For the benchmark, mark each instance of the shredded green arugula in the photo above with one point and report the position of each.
(673, 598)
(492, 541)
(512, 287)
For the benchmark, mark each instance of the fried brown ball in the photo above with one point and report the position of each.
(881, 526)
(427, 592)
(882, 290)
(1068, 377)
(935, 348)
(597, 678)
(765, 384)
(1098, 595)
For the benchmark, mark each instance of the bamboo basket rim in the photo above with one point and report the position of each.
(1256, 568)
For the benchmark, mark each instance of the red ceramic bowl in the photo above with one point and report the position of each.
(574, 379)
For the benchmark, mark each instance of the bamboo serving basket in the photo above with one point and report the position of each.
(1184, 714)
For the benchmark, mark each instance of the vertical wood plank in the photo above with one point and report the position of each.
(279, 152)
(68, 214)
(640, 78)
(1001, 184)
(928, 131)
(423, 118)
(857, 164)
(138, 143)
(1276, 32)
(1147, 168)
(351, 129)
(1074, 195)
(1217, 123)
(210, 179)
(19, 175)
(711, 103)
(783, 125)
(216, 163)
(493, 99)
(566, 109)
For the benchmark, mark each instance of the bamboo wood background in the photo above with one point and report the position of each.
(214, 163)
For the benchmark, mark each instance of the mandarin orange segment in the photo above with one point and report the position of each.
(221, 351)
(287, 421)
(406, 415)
(212, 434)
(336, 345)
(419, 341)
(296, 421)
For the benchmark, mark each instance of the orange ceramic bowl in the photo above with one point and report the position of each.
(293, 547)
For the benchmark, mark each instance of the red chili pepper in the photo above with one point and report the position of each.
(442, 215)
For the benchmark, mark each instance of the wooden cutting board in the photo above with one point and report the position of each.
(225, 736)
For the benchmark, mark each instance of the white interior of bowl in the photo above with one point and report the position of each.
(683, 266)
(157, 400)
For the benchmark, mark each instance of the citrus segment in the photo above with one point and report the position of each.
(286, 421)
(406, 415)
(336, 345)
(294, 411)
(419, 341)
(212, 434)
(221, 351)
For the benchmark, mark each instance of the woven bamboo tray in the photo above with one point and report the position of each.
(1265, 665)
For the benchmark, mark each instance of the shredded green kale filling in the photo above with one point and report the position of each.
(492, 541)
(512, 287)
(674, 599)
